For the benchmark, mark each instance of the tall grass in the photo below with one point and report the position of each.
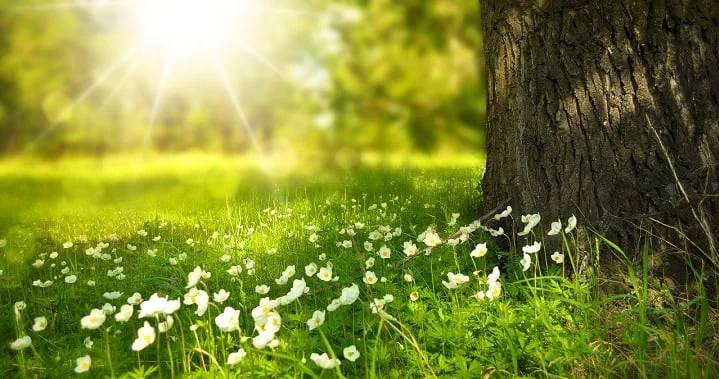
(546, 321)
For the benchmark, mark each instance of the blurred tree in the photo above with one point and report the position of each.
(608, 110)
(342, 78)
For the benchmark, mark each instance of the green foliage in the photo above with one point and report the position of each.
(546, 321)
(348, 77)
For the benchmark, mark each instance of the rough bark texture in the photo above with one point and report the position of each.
(600, 108)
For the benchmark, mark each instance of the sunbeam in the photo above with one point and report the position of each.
(87, 4)
(177, 32)
(236, 104)
(87, 92)
(159, 95)
(120, 83)
(247, 48)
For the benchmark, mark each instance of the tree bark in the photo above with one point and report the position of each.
(609, 110)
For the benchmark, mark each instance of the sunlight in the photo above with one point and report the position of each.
(187, 27)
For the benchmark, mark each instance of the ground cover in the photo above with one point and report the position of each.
(200, 266)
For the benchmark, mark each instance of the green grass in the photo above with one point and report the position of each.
(546, 322)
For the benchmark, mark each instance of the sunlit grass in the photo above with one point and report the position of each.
(169, 220)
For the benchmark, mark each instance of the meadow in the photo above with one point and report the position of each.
(201, 266)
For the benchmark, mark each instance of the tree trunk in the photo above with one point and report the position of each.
(609, 110)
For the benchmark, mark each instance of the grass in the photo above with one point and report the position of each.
(216, 213)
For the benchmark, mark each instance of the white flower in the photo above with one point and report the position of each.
(557, 257)
(298, 289)
(88, 342)
(112, 295)
(318, 318)
(82, 364)
(38, 263)
(40, 324)
(236, 357)
(495, 288)
(410, 249)
(94, 320)
(504, 213)
(479, 295)
(108, 308)
(346, 244)
(226, 258)
(199, 297)
(289, 271)
(262, 289)
(431, 239)
(349, 295)
(311, 269)
(91, 283)
(229, 320)
(325, 274)
(67, 245)
(351, 353)
(135, 299)
(479, 251)
(526, 261)
(556, 228)
(152, 252)
(369, 262)
(385, 252)
(142, 233)
(145, 337)
(19, 307)
(221, 296)
(125, 313)
(273, 322)
(533, 248)
(368, 246)
(414, 295)
(496, 233)
(194, 277)
(408, 278)
(21, 343)
(455, 280)
(70, 279)
(314, 237)
(261, 311)
(263, 339)
(166, 325)
(531, 220)
(282, 280)
(369, 278)
(333, 305)
(152, 307)
(324, 361)
(494, 276)
(171, 306)
(234, 270)
(571, 224)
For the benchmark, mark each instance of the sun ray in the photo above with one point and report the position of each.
(120, 83)
(279, 10)
(88, 92)
(236, 104)
(159, 95)
(78, 4)
(249, 49)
